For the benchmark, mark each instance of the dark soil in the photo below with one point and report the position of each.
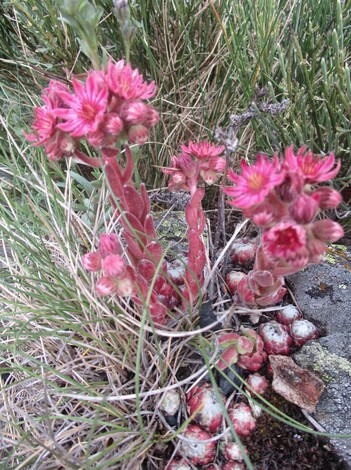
(278, 446)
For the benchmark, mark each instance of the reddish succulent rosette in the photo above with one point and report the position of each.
(197, 451)
(243, 421)
(204, 401)
(275, 337)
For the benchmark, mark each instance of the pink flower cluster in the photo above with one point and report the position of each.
(107, 107)
(118, 278)
(196, 160)
(283, 199)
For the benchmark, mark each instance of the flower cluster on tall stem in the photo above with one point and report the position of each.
(282, 198)
(198, 161)
(107, 107)
(148, 270)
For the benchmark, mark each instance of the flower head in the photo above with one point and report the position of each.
(128, 83)
(314, 168)
(86, 108)
(254, 183)
(284, 241)
(203, 150)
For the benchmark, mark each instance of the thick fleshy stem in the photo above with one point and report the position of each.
(144, 252)
(195, 219)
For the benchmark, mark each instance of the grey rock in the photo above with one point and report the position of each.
(322, 292)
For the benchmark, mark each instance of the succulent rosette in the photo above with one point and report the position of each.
(205, 403)
(258, 383)
(243, 421)
(302, 331)
(275, 337)
(246, 350)
(197, 451)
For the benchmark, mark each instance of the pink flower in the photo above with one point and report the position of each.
(314, 168)
(128, 83)
(285, 241)
(203, 150)
(254, 183)
(86, 108)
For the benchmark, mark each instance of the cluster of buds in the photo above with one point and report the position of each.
(108, 107)
(118, 278)
(197, 161)
(246, 350)
(144, 252)
(282, 198)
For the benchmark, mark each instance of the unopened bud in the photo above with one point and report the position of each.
(304, 209)
(105, 286)
(138, 134)
(114, 266)
(327, 230)
(109, 244)
(92, 262)
(328, 198)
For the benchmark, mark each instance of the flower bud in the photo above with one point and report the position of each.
(105, 286)
(134, 112)
(187, 165)
(304, 209)
(328, 198)
(138, 134)
(92, 262)
(152, 116)
(113, 124)
(217, 164)
(209, 177)
(109, 244)
(316, 250)
(114, 266)
(327, 230)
